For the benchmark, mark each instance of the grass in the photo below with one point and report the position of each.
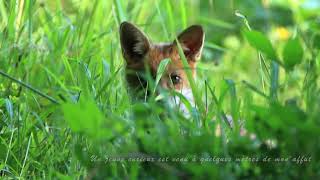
(65, 112)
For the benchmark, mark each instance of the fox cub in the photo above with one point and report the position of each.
(141, 53)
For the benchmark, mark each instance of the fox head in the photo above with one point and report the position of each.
(141, 53)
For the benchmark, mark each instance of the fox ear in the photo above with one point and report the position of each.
(192, 40)
(134, 43)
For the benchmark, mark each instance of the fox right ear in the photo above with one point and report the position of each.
(192, 40)
(134, 43)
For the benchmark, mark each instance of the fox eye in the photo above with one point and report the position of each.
(176, 79)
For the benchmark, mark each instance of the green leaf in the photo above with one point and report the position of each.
(260, 42)
(161, 69)
(292, 53)
(84, 117)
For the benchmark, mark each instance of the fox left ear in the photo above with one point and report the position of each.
(134, 43)
(192, 40)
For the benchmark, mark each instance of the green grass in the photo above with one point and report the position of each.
(65, 107)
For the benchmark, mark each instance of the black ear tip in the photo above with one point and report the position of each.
(197, 28)
(194, 30)
(125, 25)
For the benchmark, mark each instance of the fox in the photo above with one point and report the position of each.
(141, 53)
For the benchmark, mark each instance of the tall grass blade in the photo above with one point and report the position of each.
(29, 87)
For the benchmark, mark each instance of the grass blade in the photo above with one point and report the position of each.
(274, 81)
(29, 87)
(252, 87)
(161, 69)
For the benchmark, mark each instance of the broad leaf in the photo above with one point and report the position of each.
(292, 53)
(260, 42)
(85, 117)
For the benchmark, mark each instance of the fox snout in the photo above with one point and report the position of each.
(141, 54)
